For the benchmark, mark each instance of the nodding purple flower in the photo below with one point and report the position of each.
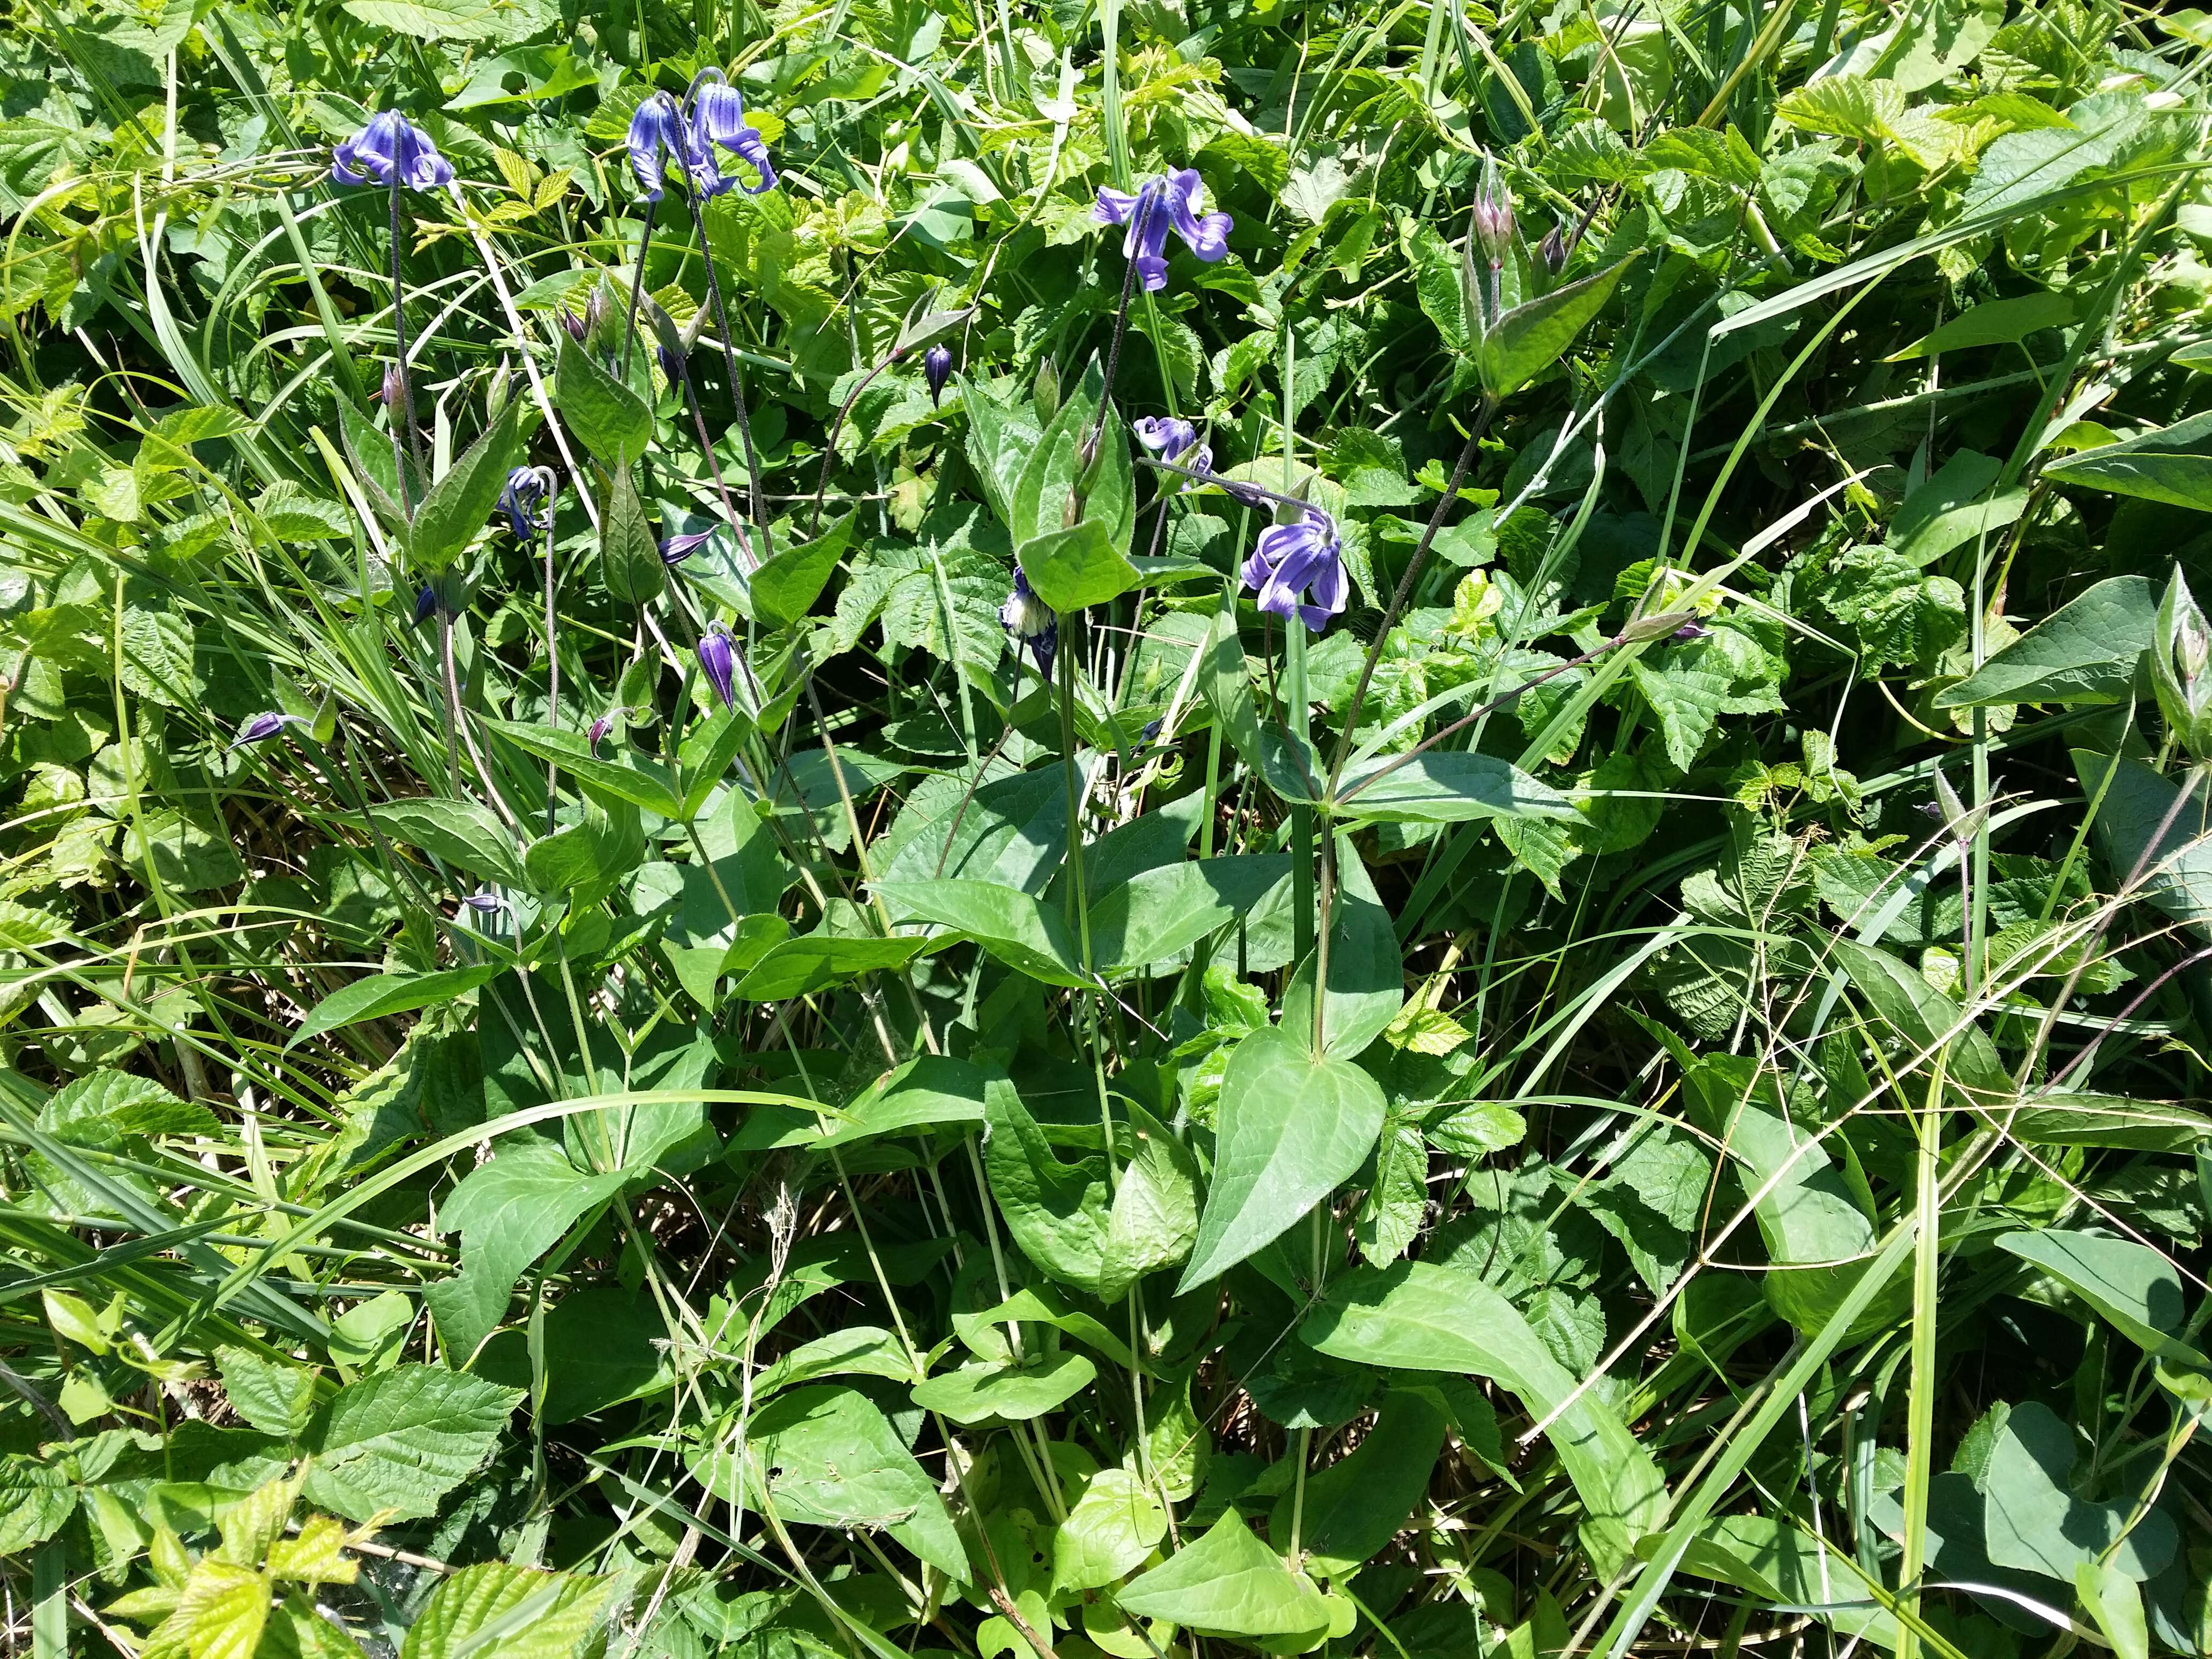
(1167, 438)
(718, 117)
(674, 550)
(391, 146)
(1029, 621)
(1297, 569)
(720, 663)
(260, 728)
(600, 727)
(527, 489)
(485, 903)
(672, 365)
(659, 134)
(1161, 204)
(936, 369)
(426, 604)
(1690, 630)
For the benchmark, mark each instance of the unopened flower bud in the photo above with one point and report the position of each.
(936, 369)
(426, 604)
(576, 326)
(719, 662)
(600, 727)
(672, 366)
(1553, 249)
(1493, 213)
(2181, 668)
(1047, 391)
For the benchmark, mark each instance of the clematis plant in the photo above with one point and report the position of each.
(711, 117)
(392, 151)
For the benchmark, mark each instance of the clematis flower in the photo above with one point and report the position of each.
(1165, 437)
(936, 369)
(1029, 621)
(527, 488)
(719, 664)
(600, 727)
(674, 550)
(485, 903)
(260, 728)
(426, 603)
(659, 134)
(391, 146)
(1162, 204)
(718, 117)
(1297, 569)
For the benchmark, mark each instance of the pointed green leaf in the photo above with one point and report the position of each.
(1290, 1128)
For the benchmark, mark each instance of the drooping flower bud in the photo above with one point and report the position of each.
(578, 327)
(936, 369)
(600, 727)
(672, 366)
(674, 550)
(260, 728)
(426, 604)
(719, 662)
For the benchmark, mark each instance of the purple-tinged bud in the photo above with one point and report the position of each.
(937, 368)
(426, 604)
(260, 728)
(1493, 213)
(600, 727)
(719, 662)
(1690, 630)
(391, 392)
(579, 327)
(672, 365)
(485, 903)
(1553, 249)
(674, 550)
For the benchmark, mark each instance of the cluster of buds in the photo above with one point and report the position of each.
(1493, 236)
(2181, 669)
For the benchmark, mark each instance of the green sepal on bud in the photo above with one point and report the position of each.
(2181, 668)
(1047, 391)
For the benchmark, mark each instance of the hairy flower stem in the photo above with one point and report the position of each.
(698, 208)
(689, 393)
(1414, 566)
(1087, 452)
(637, 284)
(403, 418)
(552, 668)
